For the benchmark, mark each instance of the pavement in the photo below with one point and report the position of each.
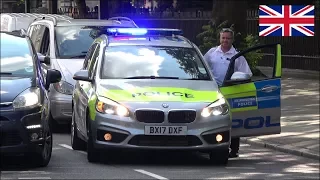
(300, 117)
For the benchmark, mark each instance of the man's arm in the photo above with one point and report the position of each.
(241, 65)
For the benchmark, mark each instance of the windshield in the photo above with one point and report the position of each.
(138, 61)
(74, 41)
(16, 57)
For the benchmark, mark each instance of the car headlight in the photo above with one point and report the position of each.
(219, 107)
(29, 98)
(63, 87)
(107, 106)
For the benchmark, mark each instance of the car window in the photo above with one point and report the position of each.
(130, 61)
(74, 41)
(16, 56)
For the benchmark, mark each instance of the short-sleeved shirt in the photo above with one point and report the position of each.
(219, 63)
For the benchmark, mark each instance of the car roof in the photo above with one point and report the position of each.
(11, 36)
(177, 41)
(92, 22)
(35, 15)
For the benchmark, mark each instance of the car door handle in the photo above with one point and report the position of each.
(269, 88)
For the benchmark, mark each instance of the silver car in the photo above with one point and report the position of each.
(151, 89)
(63, 43)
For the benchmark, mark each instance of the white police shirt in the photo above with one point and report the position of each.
(219, 63)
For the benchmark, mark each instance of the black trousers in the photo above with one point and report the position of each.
(235, 144)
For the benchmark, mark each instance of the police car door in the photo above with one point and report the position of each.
(255, 103)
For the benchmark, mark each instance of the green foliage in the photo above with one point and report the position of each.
(210, 35)
(210, 38)
(254, 56)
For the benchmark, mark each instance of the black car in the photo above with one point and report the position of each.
(24, 103)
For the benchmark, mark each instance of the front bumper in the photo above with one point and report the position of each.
(129, 133)
(15, 138)
(61, 106)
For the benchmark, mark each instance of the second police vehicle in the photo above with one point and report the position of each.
(151, 89)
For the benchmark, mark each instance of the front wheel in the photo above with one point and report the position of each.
(76, 142)
(42, 159)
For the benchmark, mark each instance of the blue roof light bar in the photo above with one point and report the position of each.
(143, 32)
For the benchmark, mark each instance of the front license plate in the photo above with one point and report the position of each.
(165, 130)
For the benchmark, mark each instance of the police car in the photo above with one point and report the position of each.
(151, 89)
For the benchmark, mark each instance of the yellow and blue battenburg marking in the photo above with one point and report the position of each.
(252, 96)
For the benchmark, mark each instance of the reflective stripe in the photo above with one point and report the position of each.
(240, 97)
(279, 61)
(271, 98)
(92, 107)
(159, 94)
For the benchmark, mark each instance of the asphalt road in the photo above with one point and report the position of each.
(253, 163)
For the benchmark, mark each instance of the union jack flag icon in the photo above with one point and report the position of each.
(286, 20)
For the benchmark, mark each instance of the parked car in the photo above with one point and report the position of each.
(16, 21)
(66, 42)
(24, 102)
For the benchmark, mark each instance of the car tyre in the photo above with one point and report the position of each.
(42, 159)
(219, 157)
(76, 142)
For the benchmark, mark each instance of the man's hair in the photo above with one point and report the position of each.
(223, 30)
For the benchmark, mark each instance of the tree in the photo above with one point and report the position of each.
(82, 8)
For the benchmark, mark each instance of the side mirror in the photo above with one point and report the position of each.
(53, 76)
(82, 75)
(43, 59)
(238, 77)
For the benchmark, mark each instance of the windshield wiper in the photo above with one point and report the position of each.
(151, 77)
(200, 79)
(5, 73)
(79, 56)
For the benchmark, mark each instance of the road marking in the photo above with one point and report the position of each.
(150, 174)
(34, 178)
(240, 168)
(69, 147)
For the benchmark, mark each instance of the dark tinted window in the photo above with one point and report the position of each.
(16, 56)
(74, 41)
(130, 61)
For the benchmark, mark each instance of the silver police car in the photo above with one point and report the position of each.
(148, 89)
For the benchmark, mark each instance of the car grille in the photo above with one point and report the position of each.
(182, 116)
(150, 116)
(144, 140)
(10, 138)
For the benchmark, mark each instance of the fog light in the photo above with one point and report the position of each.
(107, 137)
(34, 136)
(219, 138)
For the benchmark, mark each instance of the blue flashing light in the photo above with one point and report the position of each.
(143, 31)
(128, 31)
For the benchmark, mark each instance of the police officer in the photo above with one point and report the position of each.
(218, 58)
